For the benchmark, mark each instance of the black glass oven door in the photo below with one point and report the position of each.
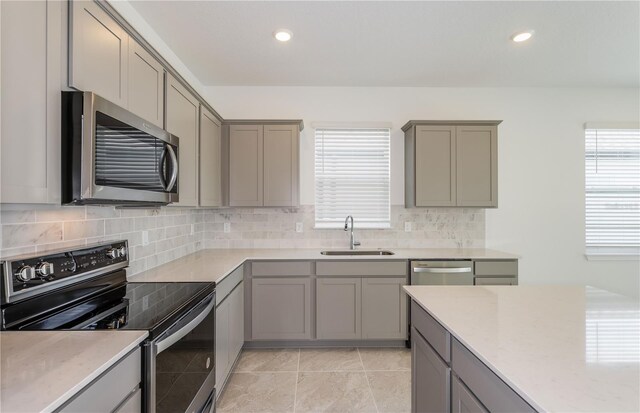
(183, 374)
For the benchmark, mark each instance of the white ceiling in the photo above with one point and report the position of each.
(393, 43)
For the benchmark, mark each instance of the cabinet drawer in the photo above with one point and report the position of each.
(436, 335)
(492, 392)
(224, 287)
(280, 268)
(112, 388)
(361, 268)
(496, 268)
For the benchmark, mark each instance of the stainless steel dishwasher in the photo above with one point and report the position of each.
(456, 272)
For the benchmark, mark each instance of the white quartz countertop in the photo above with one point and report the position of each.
(562, 348)
(215, 264)
(40, 370)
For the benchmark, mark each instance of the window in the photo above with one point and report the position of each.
(612, 189)
(352, 177)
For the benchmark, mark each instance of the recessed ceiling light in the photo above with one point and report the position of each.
(283, 35)
(522, 36)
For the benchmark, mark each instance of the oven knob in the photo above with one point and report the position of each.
(112, 253)
(26, 273)
(44, 269)
(122, 252)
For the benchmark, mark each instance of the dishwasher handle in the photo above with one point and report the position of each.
(442, 270)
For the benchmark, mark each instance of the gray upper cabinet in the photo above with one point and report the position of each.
(281, 308)
(182, 116)
(98, 57)
(210, 159)
(146, 85)
(477, 165)
(263, 164)
(435, 154)
(384, 308)
(245, 165)
(280, 165)
(338, 308)
(31, 81)
(451, 163)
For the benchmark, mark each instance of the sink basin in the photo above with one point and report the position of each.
(357, 252)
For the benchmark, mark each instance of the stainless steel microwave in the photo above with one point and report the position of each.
(112, 157)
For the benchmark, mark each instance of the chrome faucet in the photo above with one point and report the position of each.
(352, 241)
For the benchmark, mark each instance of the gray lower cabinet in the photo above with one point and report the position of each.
(31, 81)
(229, 325)
(117, 390)
(281, 308)
(451, 163)
(447, 377)
(338, 308)
(384, 308)
(430, 381)
(462, 400)
(495, 272)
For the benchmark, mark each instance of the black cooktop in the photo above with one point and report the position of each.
(129, 306)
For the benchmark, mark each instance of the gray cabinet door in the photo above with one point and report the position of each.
(145, 85)
(222, 342)
(236, 322)
(384, 308)
(280, 168)
(430, 378)
(98, 52)
(281, 308)
(210, 160)
(477, 166)
(245, 165)
(31, 81)
(182, 121)
(338, 308)
(462, 400)
(435, 165)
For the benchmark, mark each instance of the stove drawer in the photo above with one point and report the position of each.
(110, 390)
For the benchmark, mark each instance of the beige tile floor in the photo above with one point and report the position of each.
(319, 380)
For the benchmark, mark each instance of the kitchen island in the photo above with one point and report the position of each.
(550, 348)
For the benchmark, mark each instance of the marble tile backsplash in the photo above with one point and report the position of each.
(276, 228)
(29, 229)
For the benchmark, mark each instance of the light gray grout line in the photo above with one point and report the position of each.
(295, 392)
(368, 383)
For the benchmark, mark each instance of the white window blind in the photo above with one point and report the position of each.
(352, 177)
(612, 188)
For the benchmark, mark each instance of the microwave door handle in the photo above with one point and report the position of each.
(174, 168)
(161, 169)
(173, 338)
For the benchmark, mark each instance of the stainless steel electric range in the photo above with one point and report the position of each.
(87, 289)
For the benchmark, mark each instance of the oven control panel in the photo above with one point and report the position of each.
(30, 272)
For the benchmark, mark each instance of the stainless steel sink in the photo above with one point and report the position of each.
(357, 252)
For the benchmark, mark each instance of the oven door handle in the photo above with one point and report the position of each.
(182, 331)
(442, 270)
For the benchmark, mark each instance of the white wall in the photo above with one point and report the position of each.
(541, 165)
